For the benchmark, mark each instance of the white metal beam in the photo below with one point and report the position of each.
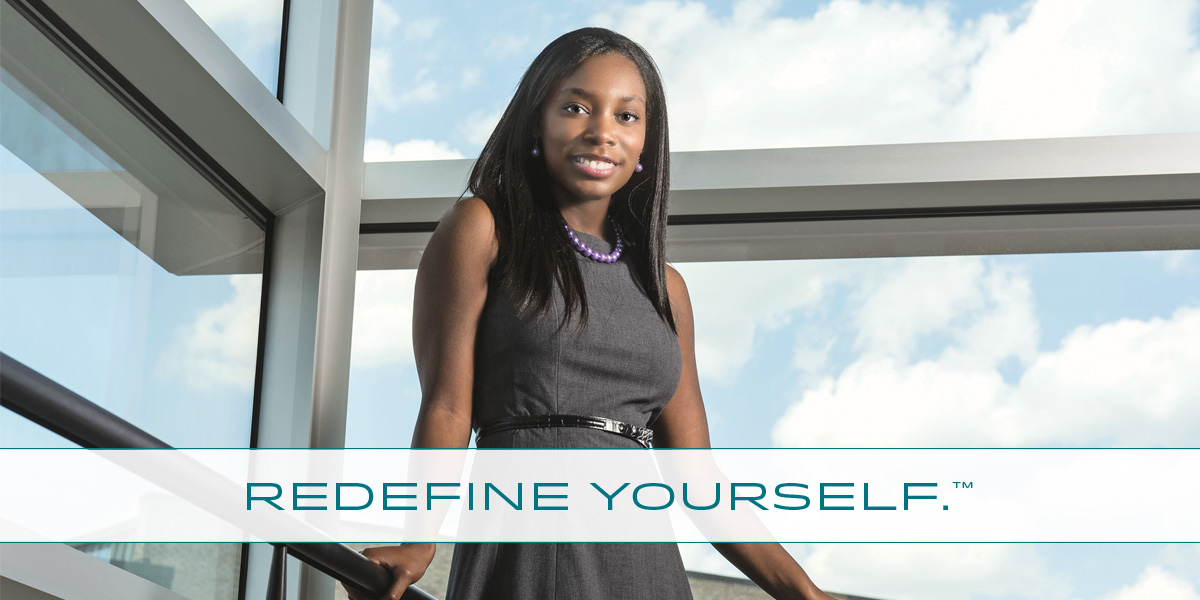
(339, 240)
(176, 61)
(339, 245)
(874, 200)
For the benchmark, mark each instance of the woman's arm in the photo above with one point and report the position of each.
(683, 424)
(451, 288)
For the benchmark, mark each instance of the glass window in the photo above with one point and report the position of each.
(252, 29)
(125, 276)
(998, 351)
(1054, 350)
(384, 390)
(748, 74)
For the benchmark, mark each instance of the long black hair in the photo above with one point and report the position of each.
(534, 250)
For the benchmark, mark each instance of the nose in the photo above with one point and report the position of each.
(601, 130)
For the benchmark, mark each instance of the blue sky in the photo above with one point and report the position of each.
(784, 361)
(772, 73)
(785, 74)
(1069, 293)
(763, 374)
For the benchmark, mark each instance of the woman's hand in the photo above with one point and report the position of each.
(406, 563)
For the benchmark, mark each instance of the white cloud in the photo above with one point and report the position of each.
(377, 150)
(1102, 385)
(1176, 262)
(504, 45)
(422, 29)
(900, 300)
(471, 77)
(933, 571)
(814, 342)
(1006, 327)
(1089, 66)
(1156, 583)
(384, 20)
(420, 90)
(477, 127)
(219, 347)
(1183, 559)
(382, 332)
(705, 559)
(733, 302)
(860, 72)
(383, 91)
(916, 298)
(1130, 381)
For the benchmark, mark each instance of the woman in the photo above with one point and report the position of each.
(546, 298)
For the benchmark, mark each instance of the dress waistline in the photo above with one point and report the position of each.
(641, 435)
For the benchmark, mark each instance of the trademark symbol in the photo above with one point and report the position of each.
(964, 484)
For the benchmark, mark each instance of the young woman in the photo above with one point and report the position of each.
(546, 316)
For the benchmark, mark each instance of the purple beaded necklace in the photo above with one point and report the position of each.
(583, 249)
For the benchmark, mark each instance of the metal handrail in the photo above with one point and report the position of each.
(56, 408)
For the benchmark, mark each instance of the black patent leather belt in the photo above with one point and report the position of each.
(641, 435)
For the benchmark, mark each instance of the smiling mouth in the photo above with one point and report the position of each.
(595, 167)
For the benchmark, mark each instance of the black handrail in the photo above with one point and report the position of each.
(58, 409)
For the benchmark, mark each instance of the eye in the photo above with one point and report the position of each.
(628, 117)
(576, 108)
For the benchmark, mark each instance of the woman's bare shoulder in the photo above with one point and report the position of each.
(677, 293)
(676, 288)
(470, 216)
(470, 229)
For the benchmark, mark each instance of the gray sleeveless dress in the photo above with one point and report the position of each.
(625, 366)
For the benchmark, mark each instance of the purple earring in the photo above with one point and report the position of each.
(535, 151)
(638, 168)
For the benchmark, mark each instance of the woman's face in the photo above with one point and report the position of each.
(593, 128)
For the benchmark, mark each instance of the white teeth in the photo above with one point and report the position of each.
(599, 165)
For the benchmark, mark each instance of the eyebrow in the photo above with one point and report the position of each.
(586, 94)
